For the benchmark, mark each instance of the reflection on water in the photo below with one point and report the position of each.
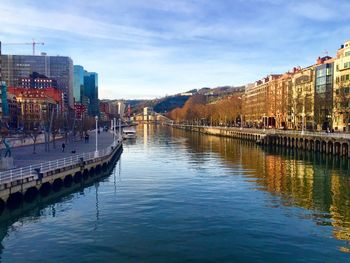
(182, 196)
(313, 181)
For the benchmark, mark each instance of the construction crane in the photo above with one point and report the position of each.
(33, 43)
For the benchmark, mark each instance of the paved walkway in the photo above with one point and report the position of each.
(24, 156)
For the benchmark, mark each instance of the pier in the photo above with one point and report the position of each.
(328, 143)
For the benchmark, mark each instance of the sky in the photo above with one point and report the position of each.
(153, 48)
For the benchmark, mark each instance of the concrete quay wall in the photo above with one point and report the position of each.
(333, 144)
(244, 134)
(12, 193)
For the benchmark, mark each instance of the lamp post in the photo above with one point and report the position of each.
(120, 128)
(115, 129)
(112, 129)
(96, 150)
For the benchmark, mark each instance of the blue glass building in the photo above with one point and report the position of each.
(91, 92)
(78, 83)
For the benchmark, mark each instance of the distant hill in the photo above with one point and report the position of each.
(168, 103)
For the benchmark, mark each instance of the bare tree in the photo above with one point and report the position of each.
(33, 134)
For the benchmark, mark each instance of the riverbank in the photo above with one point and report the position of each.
(328, 143)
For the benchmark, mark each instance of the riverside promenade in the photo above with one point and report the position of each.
(45, 171)
(24, 156)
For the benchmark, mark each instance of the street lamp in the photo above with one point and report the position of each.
(114, 128)
(120, 129)
(96, 150)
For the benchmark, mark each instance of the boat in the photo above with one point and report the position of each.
(129, 133)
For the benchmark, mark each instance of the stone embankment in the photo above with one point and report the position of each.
(27, 182)
(328, 143)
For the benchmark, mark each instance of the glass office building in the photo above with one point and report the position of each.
(78, 83)
(91, 92)
(324, 95)
(16, 67)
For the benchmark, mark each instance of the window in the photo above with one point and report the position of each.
(347, 53)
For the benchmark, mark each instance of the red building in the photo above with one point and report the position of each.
(36, 105)
(104, 110)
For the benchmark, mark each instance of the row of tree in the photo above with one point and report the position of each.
(197, 110)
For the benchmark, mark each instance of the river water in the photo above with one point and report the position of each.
(177, 196)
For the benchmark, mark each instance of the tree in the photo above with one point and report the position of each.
(33, 134)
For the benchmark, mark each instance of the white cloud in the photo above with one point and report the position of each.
(155, 47)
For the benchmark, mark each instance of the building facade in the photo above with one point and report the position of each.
(284, 101)
(273, 96)
(91, 92)
(341, 93)
(78, 83)
(37, 81)
(323, 106)
(17, 67)
(36, 105)
(254, 103)
(303, 98)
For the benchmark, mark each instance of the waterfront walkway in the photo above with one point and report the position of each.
(24, 156)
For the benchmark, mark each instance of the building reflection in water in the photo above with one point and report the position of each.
(311, 181)
(145, 134)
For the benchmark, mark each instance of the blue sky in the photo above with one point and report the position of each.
(150, 48)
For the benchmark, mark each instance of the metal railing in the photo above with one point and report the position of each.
(32, 171)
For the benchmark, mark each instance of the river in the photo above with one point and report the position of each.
(177, 196)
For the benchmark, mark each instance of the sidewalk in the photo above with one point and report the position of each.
(23, 156)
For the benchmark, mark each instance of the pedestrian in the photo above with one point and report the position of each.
(63, 146)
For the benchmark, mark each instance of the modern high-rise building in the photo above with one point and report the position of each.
(91, 92)
(78, 83)
(17, 67)
(37, 81)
